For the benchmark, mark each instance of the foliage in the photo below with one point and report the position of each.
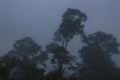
(72, 24)
(60, 55)
(107, 42)
(19, 70)
(4, 70)
(59, 74)
(28, 51)
(96, 54)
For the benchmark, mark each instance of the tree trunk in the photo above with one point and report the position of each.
(63, 42)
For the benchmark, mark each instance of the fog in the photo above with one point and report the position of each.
(39, 19)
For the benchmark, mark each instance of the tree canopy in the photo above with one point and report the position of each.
(72, 24)
(28, 50)
(96, 54)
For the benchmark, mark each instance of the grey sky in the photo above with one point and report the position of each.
(40, 18)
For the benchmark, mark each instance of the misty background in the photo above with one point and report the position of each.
(39, 19)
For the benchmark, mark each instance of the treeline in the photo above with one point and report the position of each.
(27, 60)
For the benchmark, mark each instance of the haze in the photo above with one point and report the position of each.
(40, 18)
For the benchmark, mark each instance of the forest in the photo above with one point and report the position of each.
(28, 61)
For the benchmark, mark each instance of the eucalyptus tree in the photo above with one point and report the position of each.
(97, 52)
(72, 24)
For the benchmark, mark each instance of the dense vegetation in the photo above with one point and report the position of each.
(27, 60)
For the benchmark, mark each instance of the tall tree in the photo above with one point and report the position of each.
(72, 24)
(96, 54)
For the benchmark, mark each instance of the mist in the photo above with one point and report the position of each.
(39, 19)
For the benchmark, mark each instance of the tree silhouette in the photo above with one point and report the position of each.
(28, 51)
(60, 54)
(59, 74)
(19, 70)
(72, 24)
(96, 54)
(4, 70)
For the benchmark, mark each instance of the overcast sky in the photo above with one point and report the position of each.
(40, 18)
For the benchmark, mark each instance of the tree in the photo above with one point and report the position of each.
(11, 65)
(24, 58)
(60, 54)
(4, 70)
(72, 24)
(59, 74)
(96, 54)
(28, 51)
(16, 69)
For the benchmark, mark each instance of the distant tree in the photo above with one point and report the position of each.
(72, 24)
(28, 51)
(22, 61)
(59, 55)
(97, 52)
